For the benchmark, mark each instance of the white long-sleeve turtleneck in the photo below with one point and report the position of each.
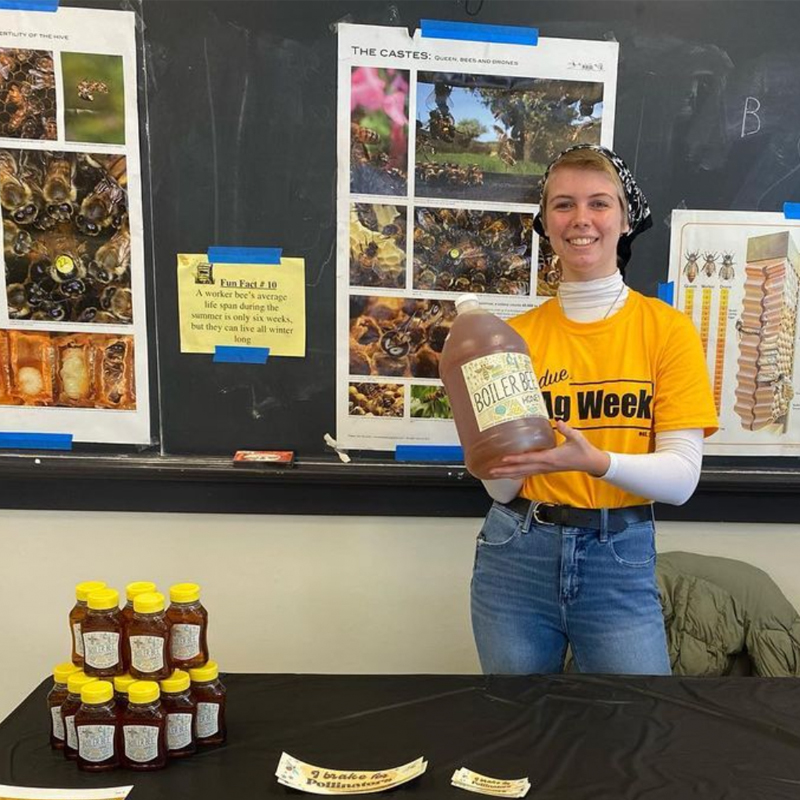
(668, 475)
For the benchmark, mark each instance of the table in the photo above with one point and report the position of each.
(573, 736)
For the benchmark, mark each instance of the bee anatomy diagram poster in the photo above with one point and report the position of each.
(73, 337)
(737, 275)
(441, 149)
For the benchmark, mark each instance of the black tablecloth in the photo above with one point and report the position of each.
(574, 737)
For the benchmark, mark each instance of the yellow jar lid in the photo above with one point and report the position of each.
(82, 589)
(177, 682)
(142, 692)
(208, 672)
(77, 681)
(103, 599)
(97, 692)
(184, 592)
(139, 587)
(62, 671)
(122, 682)
(148, 602)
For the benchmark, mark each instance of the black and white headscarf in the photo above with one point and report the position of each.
(639, 219)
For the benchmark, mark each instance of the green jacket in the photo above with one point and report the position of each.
(715, 608)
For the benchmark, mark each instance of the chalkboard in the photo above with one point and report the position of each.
(241, 116)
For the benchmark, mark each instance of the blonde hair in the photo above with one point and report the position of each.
(588, 160)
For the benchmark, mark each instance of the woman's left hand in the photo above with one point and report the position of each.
(575, 453)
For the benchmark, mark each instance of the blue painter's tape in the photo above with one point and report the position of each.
(244, 255)
(29, 5)
(791, 210)
(241, 355)
(36, 441)
(428, 452)
(666, 292)
(471, 32)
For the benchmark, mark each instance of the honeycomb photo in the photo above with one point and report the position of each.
(94, 98)
(377, 245)
(398, 337)
(376, 400)
(73, 370)
(66, 240)
(27, 94)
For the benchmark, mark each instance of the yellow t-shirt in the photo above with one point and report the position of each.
(618, 381)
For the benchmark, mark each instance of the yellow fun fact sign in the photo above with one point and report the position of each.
(242, 305)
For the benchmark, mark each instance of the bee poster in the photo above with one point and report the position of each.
(736, 274)
(73, 334)
(441, 148)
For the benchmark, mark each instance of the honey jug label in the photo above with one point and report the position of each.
(147, 653)
(96, 742)
(141, 742)
(502, 387)
(101, 649)
(207, 719)
(184, 641)
(58, 723)
(179, 731)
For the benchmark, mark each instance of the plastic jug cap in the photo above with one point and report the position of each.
(466, 302)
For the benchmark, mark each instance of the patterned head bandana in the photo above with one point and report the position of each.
(639, 218)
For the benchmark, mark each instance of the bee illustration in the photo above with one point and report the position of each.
(710, 264)
(691, 269)
(726, 269)
(87, 89)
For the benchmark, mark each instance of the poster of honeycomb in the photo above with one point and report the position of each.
(73, 331)
(441, 145)
(737, 276)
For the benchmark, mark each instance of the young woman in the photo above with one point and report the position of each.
(566, 554)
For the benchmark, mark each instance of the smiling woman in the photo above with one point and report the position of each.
(567, 552)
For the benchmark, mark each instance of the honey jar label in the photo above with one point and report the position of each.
(179, 731)
(77, 638)
(96, 742)
(141, 742)
(185, 641)
(147, 653)
(101, 649)
(69, 728)
(207, 719)
(502, 387)
(58, 723)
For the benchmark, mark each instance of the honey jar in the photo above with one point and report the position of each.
(102, 635)
(55, 699)
(96, 724)
(76, 617)
(181, 711)
(69, 708)
(144, 728)
(189, 634)
(148, 637)
(209, 693)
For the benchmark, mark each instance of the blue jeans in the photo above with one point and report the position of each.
(537, 588)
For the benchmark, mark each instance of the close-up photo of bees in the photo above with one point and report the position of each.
(376, 399)
(489, 137)
(379, 131)
(27, 94)
(469, 250)
(548, 273)
(377, 245)
(69, 370)
(398, 337)
(430, 402)
(66, 240)
(94, 98)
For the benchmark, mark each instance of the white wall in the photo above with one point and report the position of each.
(290, 593)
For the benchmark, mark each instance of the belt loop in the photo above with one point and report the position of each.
(603, 525)
(526, 525)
